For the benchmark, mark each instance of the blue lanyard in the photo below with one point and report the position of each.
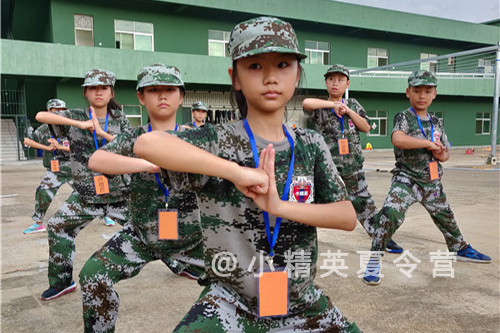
(422, 128)
(58, 141)
(162, 187)
(194, 124)
(340, 119)
(105, 130)
(286, 190)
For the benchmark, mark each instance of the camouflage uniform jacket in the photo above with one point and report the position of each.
(146, 197)
(82, 147)
(329, 126)
(42, 135)
(232, 223)
(414, 163)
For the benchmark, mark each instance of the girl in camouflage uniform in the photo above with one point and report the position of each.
(84, 204)
(54, 148)
(233, 194)
(161, 90)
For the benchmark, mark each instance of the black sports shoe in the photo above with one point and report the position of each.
(53, 293)
(392, 247)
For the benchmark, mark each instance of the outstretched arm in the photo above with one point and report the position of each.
(55, 119)
(172, 153)
(98, 129)
(115, 164)
(34, 144)
(335, 215)
(311, 104)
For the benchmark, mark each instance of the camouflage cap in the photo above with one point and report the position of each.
(159, 74)
(99, 77)
(263, 35)
(422, 78)
(56, 103)
(199, 106)
(338, 68)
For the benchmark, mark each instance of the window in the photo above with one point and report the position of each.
(318, 53)
(217, 43)
(377, 57)
(483, 123)
(84, 30)
(134, 114)
(429, 65)
(378, 123)
(132, 35)
(485, 66)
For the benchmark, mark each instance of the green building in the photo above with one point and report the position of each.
(48, 45)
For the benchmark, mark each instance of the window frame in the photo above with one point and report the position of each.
(482, 120)
(379, 118)
(432, 65)
(377, 57)
(218, 41)
(133, 116)
(135, 33)
(91, 29)
(317, 50)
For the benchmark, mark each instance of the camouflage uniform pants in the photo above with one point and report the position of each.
(361, 199)
(217, 311)
(405, 192)
(74, 215)
(47, 190)
(122, 257)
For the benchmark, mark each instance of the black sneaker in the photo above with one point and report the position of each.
(392, 247)
(53, 293)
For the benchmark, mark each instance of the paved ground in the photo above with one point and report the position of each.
(156, 300)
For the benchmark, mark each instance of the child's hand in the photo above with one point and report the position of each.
(337, 107)
(95, 123)
(269, 201)
(253, 182)
(434, 147)
(87, 125)
(150, 167)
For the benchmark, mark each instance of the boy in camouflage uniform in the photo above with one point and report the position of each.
(339, 120)
(54, 148)
(199, 113)
(84, 205)
(420, 144)
(234, 237)
(138, 243)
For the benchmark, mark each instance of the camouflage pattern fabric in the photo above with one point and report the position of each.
(214, 312)
(414, 163)
(263, 35)
(137, 243)
(350, 166)
(99, 77)
(422, 78)
(55, 103)
(74, 215)
(199, 106)
(233, 224)
(42, 135)
(157, 75)
(47, 190)
(403, 193)
(338, 68)
(83, 146)
(411, 183)
(51, 182)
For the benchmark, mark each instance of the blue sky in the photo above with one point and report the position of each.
(475, 11)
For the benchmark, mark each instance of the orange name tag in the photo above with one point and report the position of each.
(54, 165)
(433, 170)
(167, 224)
(101, 185)
(273, 294)
(343, 146)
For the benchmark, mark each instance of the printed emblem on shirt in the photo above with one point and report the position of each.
(437, 136)
(302, 190)
(351, 124)
(66, 143)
